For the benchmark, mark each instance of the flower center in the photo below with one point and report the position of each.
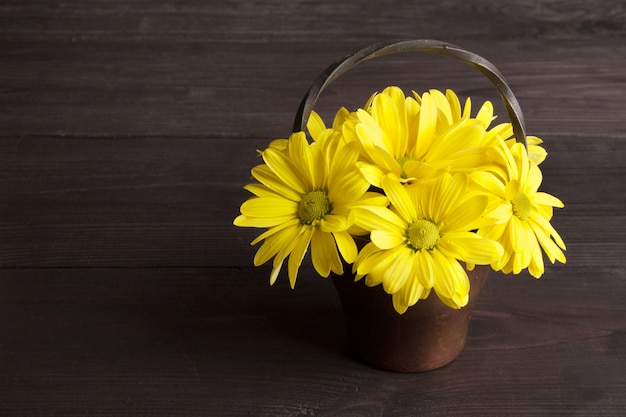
(314, 206)
(422, 234)
(403, 160)
(521, 205)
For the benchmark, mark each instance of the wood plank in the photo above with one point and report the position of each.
(95, 201)
(259, 19)
(176, 87)
(182, 342)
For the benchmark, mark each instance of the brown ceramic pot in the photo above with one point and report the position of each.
(428, 336)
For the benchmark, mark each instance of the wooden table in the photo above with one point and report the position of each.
(127, 130)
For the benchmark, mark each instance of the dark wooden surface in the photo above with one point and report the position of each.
(127, 129)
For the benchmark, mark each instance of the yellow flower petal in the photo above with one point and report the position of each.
(373, 199)
(427, 124)
(304, 164)
(523, 257)
(275, 229)
(261, 190)
(274, 244)
(267, 177)
(422, 170)
(454, 106)
(541, 223)
(399, 198)
(372, 173)
(343, 159)
(451, 282)
(440, 196)
(517, 235)
(376, 217)
(536, 266)
(268, 207)
(369, 258)
(244, 221)
(399, 271)
(408, 295)
(469, 134)
(387, 239)
(467, 215)
(315, 125)
(550, 248)
(389, 113)
(346, 245)
(469, 247)
(345, 190)
(297, 254)
(284, 169)
(369, 132)
(331, 223)
(324, 254)
(485, 114)
(424, 268)
(546, 199)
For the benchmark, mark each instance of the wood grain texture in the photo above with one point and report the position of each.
(127, 129)
(171, 87)
(194, 342)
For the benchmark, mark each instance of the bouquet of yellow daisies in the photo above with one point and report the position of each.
(409, 190)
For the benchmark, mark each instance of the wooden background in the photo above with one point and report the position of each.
(127, 129)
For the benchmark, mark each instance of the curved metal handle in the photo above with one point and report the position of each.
(421, 45)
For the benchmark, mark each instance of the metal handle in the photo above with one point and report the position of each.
(421, 45)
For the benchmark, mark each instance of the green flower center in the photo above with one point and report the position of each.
(403, 160)
(422, 234)
(314, 206)
(521, 205)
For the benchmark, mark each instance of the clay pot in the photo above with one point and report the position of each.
(427, 336)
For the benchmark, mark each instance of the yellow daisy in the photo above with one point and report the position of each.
(522, 213)
(305, 197)
(417, 243)
(417, 137)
